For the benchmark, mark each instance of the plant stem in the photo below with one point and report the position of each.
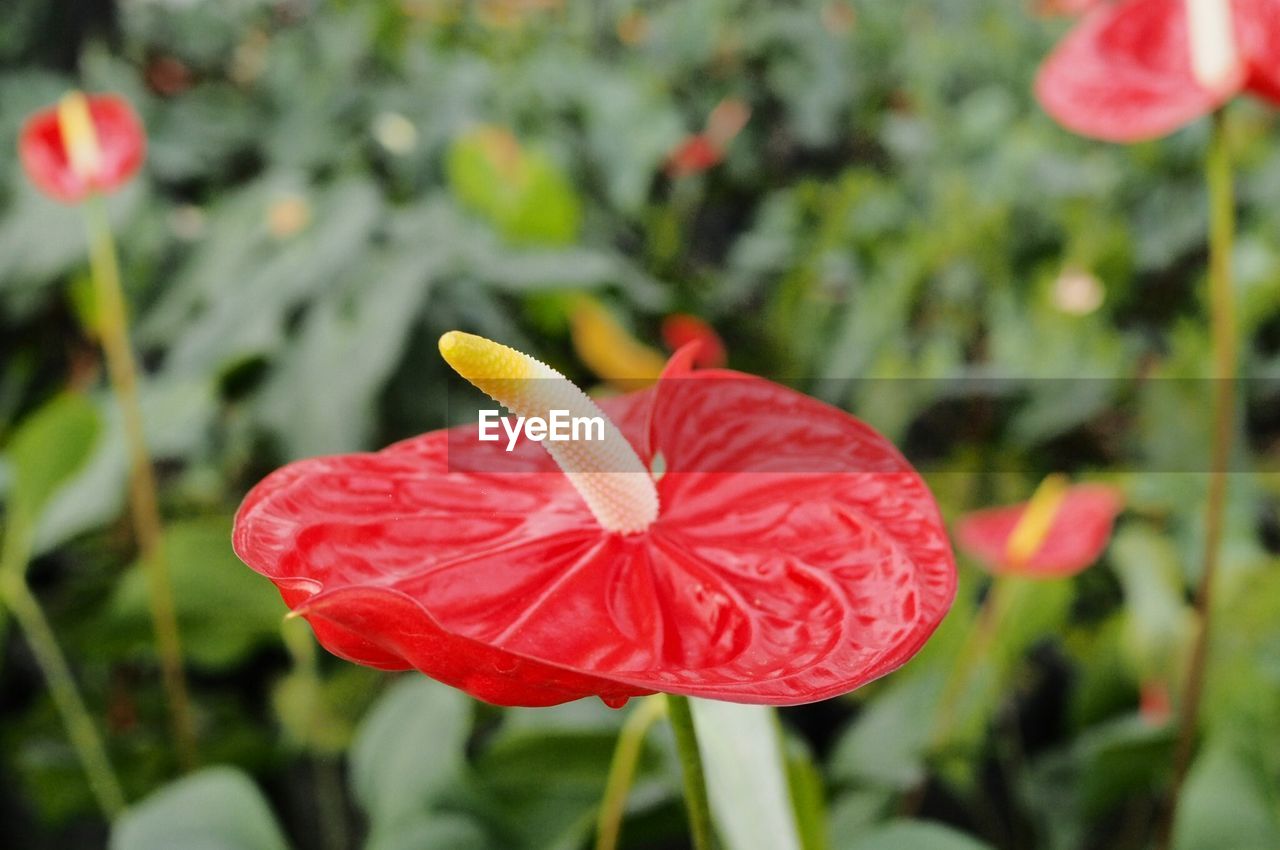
(144, 505)
(326, 771)
(57, 673)
(622, 770)
(977, 642)
(1223, 334)
(331, 802)
(695, 784)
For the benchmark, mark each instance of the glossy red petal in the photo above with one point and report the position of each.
(778, 578)
(121, 142)
(1077, 537)
(1124, 74)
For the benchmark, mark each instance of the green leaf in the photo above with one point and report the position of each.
(48, 448)
(350, 342)
(856, 813)
(886, 744)
(234, 296)
(444, 831)
(521, 192)
(807, 798)
(742, 752)
(218, 808)
(545, 770)
(409, 749)
(913, 834)
(320, 713)
(1158, 624)
(225, 610)
(176, 413)
(1224, 804)
(1113, 764)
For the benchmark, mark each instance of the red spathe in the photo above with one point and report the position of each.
(796, 557)
(122, 144)
(1124, 73)
(1077, 537)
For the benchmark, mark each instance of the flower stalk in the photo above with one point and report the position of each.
(112, 326)
(1223, 332)
(696, 801)
(976, 646)
(81, 729)
(622, 770)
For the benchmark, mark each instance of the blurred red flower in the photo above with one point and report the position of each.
(681, 329)
(701, 151)
(1135, 70)
(1155, 705)
(693, 156)
(795, 555)
(1076, 530)
(82, 145)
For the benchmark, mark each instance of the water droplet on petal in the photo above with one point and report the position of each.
(614, 702)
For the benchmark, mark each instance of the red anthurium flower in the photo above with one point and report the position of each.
(693, 156)
(607, 349)
(81, 146)
(1155, 705)
(728, 539)
(681, 329)
(701, 151)
(1060, 532)
(1140, 69)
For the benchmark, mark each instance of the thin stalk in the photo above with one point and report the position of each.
(81, 730)
(144, 505)
(326, 771)
(1223, 332)
(695, 783)
(622, 770)
(331, 801)
(978, 641)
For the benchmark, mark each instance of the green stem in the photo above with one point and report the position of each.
(1223, 332)
(695, 784)
(622, 770)
(57, 673)
(978, 641)
(331, 801)
(144, 505)
(325, 770)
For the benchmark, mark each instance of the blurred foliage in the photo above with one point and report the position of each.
(333, 183)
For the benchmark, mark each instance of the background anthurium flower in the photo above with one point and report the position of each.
(82, 145)
(606, 348)
(1059, 533)
(701, 151)
(694, 155)
(681, 329)
(810, 561)
(1135, 70)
